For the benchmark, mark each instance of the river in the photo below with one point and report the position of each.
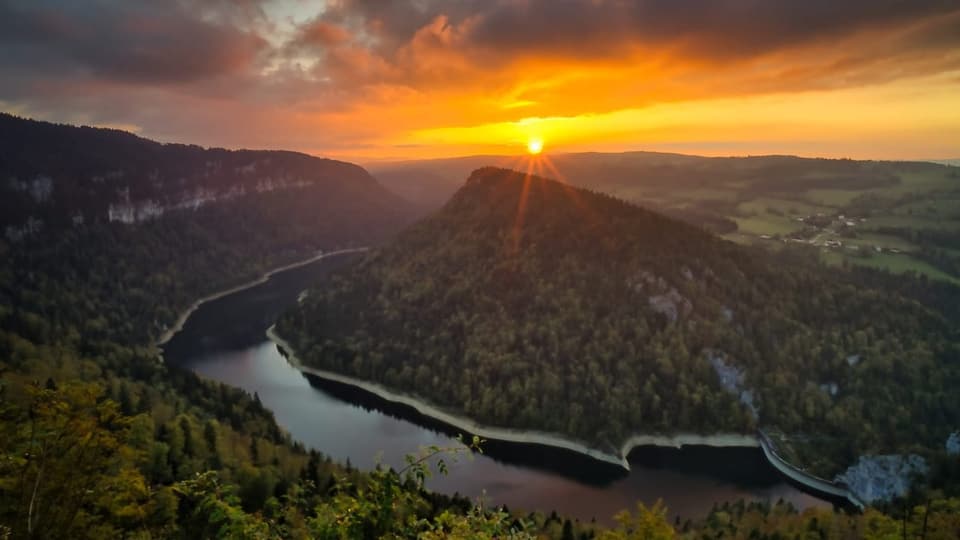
(225, 340)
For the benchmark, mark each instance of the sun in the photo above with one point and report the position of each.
(535, 146)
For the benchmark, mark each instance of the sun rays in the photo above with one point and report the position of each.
(537, 166)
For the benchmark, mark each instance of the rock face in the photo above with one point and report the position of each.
(731, 378)
(671, 304)
(881, 478)
(108, 176)
(831, 388)
(665, 300)
(953, 443)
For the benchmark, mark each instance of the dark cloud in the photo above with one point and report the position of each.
(421, 42)
(392, 23)
(425, 44)
(602, 28)
(143, 41)
(319, 33)
(704, 29)
(180, 68)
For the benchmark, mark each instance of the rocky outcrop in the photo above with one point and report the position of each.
(881, 478)
(670, 304)
(662, 298)
(953, 443)
(820, 485)
(831, 388)
(731, 379)
(39, 189)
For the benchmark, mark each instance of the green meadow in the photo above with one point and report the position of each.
(885, 206)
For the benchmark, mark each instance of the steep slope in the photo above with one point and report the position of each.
(55, 177)
(527, 303)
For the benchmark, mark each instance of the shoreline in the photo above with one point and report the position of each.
(678, 440)
(469, 426)
(168, 334)
(759, 440)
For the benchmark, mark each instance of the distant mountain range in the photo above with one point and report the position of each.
(432, 181)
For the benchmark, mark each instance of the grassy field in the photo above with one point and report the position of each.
(894, 262)
(923, 197)
(788, 207)
(883, 240)
(911, 222)
(922, 181)
(766, 224)
(833, 198)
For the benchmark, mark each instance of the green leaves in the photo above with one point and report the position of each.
(74, 470)
(213, 510)
(390, 504)
(418, 468)
(646, 524)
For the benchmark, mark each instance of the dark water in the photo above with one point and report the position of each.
(224, 340)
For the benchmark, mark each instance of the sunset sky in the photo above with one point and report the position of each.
(376, 79)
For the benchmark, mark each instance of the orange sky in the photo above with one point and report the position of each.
(368, 80)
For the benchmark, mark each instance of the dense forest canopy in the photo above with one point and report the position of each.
(528, 303)
(99, 439)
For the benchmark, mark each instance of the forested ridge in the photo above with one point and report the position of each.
(55, 177)
(527, 303)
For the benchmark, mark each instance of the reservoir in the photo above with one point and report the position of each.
(225, 340)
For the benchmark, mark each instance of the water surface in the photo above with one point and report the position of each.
(225, 340)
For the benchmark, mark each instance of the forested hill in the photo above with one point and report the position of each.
(58, 176)
(528, 303)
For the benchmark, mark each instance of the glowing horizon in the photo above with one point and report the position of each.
(367, 81)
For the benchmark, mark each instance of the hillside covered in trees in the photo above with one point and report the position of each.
(99, 439)
(58, 177)
(528, 303)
